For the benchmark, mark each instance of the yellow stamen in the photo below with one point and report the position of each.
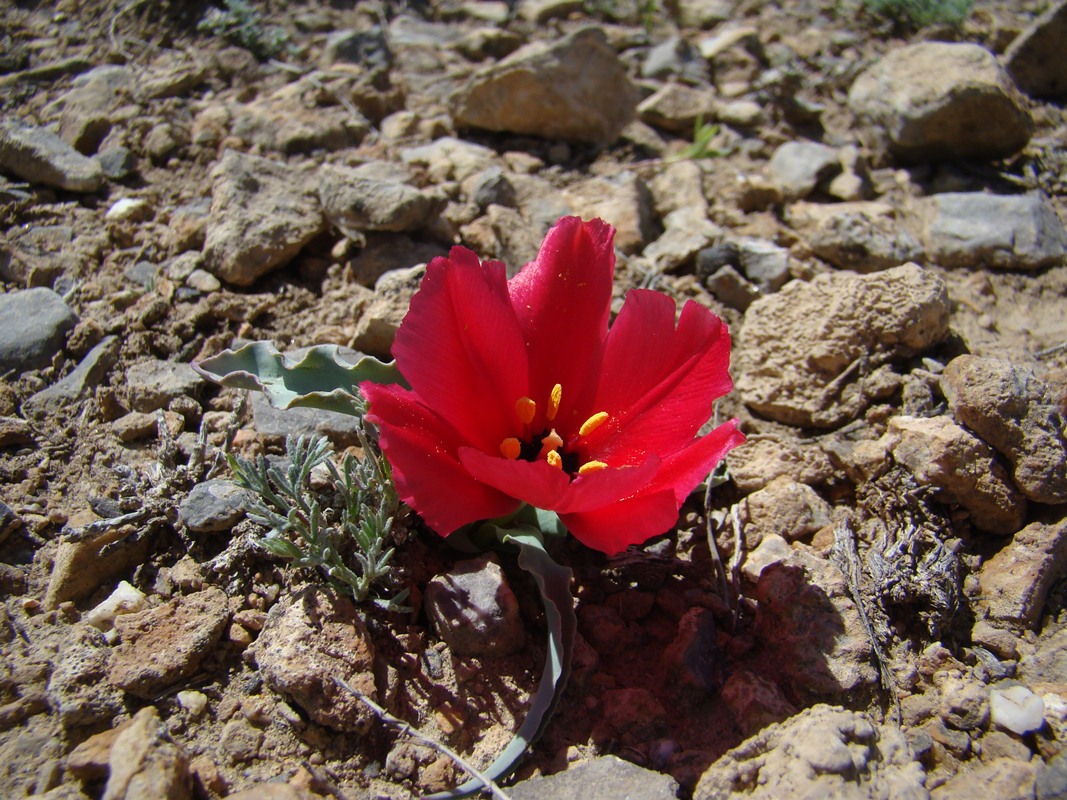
(510, 448)
(594, 422)
(554, 459)
(591, 466)
(553, 402)
(550, 444)
(525, 408)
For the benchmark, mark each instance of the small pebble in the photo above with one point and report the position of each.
(1017, 709)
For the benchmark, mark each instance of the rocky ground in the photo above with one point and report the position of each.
(877, 211)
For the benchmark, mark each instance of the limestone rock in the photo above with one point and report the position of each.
(308, 640)
(34, 323)
(381, 319)
(755, 701)
(822, 752)
(676, 107)
(262, 214)
(39, 156)
(474, 611)
(797, 168)
(687, 231)
(940, 453)
(817, 353)
(144, 763)
(978, 230)
(1018, 415)
(355, 203)
(213, 506)
(162, 645)
(152, 384)
(763, 459)
(1016, 581)
(622, 200)
(575, 88)
(1003, 778)
(77, 688)
(810, 628)
(785, 507)
(937, 100)
(863, 236)
(1035, 59)
(604, 778)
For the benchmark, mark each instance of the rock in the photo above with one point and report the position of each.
(964, 704)
(1018, 415)
(604, 629)
(85, 109)
(701, 13)
(285, 122)
(144, 763)
(355, 204)
(33, 327)
(240, 741)
(771, 549)
(727, 37)
(377, 326)
(41, 157)
(603, 778)
(368, 49)
(810, 627)
(80, 568)
(78, 690)
(762, 460)
(674, 58)
(864, 236)
(214, 506)
(262, 214)
(126, 599)
(491, 186)
(160, 646)
(310, 639)
(1017, 709)
(623, 201)
(575, 88)
(1052, 781)
(385, 252)
(755, 702)
(940, 453)
(118, 163)
(78, 384)
(676, 107)
(14, 432)
(473, 609)
(938, 100)
(975, 230)
(785, 507)
(1035, 58)
(797, 168)
(274, 791)
(1016, 581)
(679, 184)
(1002, 778)
(152, 385)
(687, 231)
(821, 752)
(129, 209)
(541, 11)
(816, 353)
(729, 286)
(764, 263)
(449, 158)
(692, 658)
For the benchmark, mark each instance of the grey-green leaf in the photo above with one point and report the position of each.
(320, 379)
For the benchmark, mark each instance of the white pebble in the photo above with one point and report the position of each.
(124, 600)
(193, 702)
(131, 208)
(1017, 709)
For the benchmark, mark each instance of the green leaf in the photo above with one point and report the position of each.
(321, 379)
(554, 581)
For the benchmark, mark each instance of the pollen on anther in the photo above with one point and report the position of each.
(594, 422)
(525, 409)
(510, 448)
(591, 466)
(553, 402)
(555, 459)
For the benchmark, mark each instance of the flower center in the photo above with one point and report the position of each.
(548, 444)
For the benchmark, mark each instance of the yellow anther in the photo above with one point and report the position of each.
(550, 444)
(510, 448)
(525, 408)
(594, 422)
(555, 459)
(553, 402)
(591, 466)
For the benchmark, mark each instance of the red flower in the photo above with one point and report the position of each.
(521, 393)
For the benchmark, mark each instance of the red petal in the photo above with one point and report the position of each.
(421, 449)
(461, 349)
(604, 487)
(683, 470)
(534, 482)
(613, 528)
(658, 382)
(563, 301)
